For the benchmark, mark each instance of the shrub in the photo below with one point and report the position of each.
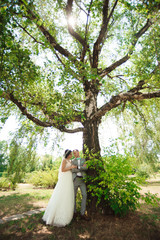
(115, 186)
(47, 178)
(144, 171)
(5, 184)
(3, 174)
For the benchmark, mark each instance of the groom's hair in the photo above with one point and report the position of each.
(75, 150)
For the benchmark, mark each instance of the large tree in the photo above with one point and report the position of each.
(107, 49)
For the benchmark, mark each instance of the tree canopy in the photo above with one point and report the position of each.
(88, 50)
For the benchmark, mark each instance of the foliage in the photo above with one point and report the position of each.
(3, 156)
(111, 52)
(150, 198)
(144, 170)
(138, 135)
(47, 162)
(61, 85)
(116, 186)
(5, 184)
(19, 159)
(47, 178)
(22, 160)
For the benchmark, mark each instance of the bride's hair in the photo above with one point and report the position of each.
(67, 152)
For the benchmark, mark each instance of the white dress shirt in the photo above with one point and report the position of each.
(79, 166)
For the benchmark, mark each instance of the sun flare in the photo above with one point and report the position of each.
(71, 21)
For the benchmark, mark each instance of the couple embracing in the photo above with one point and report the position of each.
(62, 204)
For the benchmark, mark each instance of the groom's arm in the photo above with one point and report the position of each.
(79, 168)
(75, 170)
(84, 166)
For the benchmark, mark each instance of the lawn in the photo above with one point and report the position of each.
(144, 224)
(23, 199)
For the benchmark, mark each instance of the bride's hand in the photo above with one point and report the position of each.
(73, 166)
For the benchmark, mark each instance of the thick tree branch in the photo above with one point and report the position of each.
(24, 29)
(86, 47)
(51, 39)
(114, 65)
(142, 31)
(131, 95)
(102, 35)
(51, 116)
(70, 28)
(54, 43)
(57, 124)
(130, 52)
(80, 129)
(26, 113)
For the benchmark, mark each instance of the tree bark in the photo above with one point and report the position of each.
(90, 132)
(91, 146)
(90, 137)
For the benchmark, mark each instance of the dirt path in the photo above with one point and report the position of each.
(152, 189)
(152, 186)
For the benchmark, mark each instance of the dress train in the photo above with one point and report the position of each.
(59, 211)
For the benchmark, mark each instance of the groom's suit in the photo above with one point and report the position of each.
(78, 180)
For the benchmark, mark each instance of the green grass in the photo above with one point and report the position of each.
(150, 214)
(23, 200)
(26, 198)
(23, 225)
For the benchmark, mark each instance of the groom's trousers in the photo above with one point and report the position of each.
(79, 183)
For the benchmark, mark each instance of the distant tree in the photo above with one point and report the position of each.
(22, 157)
(3, 156)
(139, 134)
(46, 161)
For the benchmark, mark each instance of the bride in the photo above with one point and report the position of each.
(59, 211)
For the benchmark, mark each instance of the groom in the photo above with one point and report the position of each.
(78, 180)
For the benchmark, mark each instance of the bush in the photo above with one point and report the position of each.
(47, 178)
(5, 184)
(3, 174)
(144, 171)
(115, 186)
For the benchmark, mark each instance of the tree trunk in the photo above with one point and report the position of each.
(90, 134)
(91, 149)
(90, 137)
(91, 143)
(91, 146)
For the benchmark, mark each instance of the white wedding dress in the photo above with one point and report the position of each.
(59, 211)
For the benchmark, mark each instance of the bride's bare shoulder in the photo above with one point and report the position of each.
(64, 161)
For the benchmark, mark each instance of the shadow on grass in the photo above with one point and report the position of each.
(15, 204)
(100, 227)
(155, 183)
(152, 216)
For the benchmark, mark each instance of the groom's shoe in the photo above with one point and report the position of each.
(84, 217)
